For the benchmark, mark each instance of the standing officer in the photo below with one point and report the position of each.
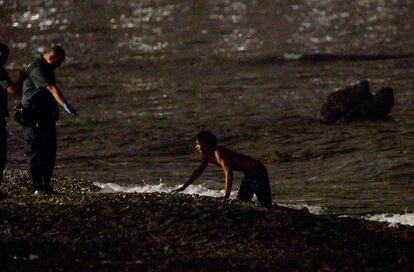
(40, 99)
(6, 87)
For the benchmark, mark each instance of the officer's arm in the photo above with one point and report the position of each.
(16, 82)
(12, 87)
(58, 95)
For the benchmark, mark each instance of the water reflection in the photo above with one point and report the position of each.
(147, 75)
(139, 37)
(358, 25)
(40, 18)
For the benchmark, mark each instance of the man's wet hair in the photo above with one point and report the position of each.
(57, 51)
(207, 138)
(4, 49)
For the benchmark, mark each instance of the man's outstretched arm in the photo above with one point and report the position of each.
(195, 175)
(228, 176)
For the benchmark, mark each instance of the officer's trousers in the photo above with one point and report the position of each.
(40, 149)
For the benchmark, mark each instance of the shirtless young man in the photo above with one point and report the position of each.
(255, 181)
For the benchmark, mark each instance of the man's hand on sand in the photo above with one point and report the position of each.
(182, 188)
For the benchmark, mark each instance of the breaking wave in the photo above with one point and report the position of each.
(160, 188)
(201, 189)
(393, 219)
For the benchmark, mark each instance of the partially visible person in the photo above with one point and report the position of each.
(7, 86)
(40, 99)
(255, 181)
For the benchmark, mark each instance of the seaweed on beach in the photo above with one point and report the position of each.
(82, 230)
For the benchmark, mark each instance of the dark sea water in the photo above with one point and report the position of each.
(146, 76)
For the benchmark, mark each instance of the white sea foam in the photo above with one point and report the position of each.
(393, 219)
(315, 209)
(202, 189)
(162, 188)
(292, 56)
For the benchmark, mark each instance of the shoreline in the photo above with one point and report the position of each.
(79, 230)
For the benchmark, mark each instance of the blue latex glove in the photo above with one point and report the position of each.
(70, 110)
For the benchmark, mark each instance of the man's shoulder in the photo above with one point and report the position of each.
(39, 63)
(36, 63)
(222, 150)
(39, 69)
(225, 153)
(228, 154)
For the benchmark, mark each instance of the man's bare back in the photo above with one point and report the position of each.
(232, 159)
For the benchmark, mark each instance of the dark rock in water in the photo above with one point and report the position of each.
(339, 103)
(377, 107)
(356, 102)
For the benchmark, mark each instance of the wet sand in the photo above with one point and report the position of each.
(82, 230)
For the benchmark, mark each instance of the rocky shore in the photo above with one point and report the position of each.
(80, 229)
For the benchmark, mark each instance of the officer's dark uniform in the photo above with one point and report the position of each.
(40, 128)
(4, 82)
